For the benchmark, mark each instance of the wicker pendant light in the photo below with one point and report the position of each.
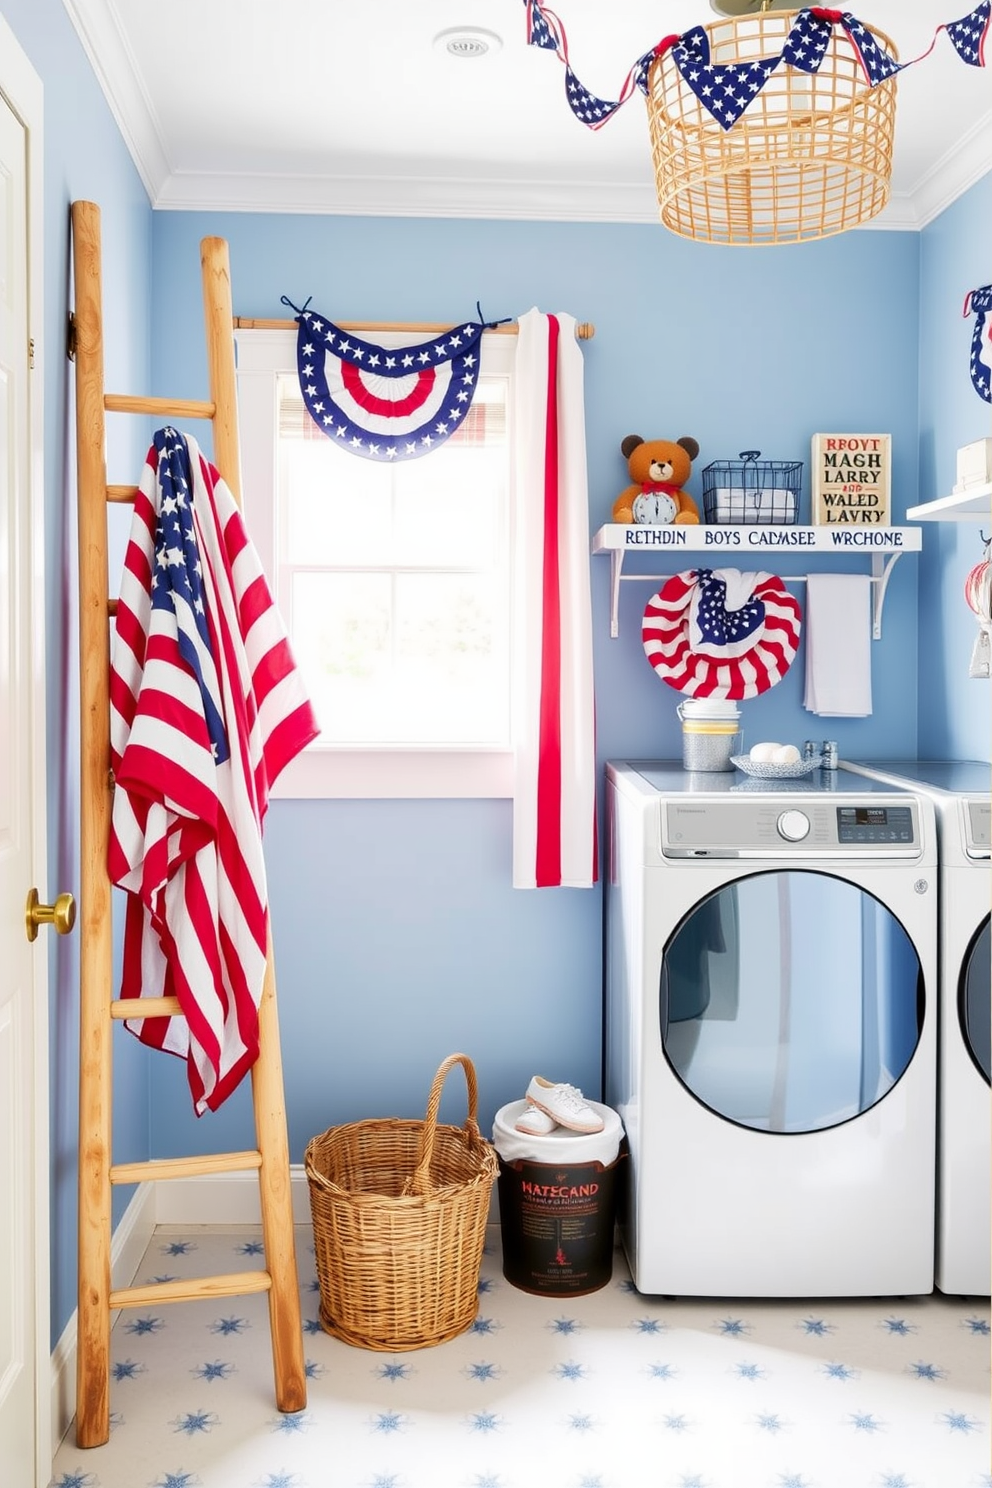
(809, 157)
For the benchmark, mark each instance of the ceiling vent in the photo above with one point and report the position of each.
(467, 42)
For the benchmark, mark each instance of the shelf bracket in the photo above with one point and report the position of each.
(881, 568)
(616, 573)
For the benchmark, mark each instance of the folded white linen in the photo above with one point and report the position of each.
(838, 645)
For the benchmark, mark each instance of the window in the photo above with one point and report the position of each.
(393, 580)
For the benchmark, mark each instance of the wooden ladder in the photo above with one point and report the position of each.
(98, 1008)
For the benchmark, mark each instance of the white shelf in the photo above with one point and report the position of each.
(972, 505)
(883, 545)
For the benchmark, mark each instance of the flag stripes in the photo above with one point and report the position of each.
(206, 709)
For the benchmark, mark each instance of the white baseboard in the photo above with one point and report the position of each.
(224, 1199)
(130, 1241)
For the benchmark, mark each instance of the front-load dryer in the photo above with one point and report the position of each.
(960, 793)
(770, 1031)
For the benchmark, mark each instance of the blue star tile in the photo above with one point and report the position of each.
(196, 1423)
(958, 1422)
(143, 1326)
(293, 1423)
(484, 1422)
(564, 1325)
(225, 1326)
(839, 1372)
(865, 1422)
(387, 1423)
(732, 1327)
(926, 1371)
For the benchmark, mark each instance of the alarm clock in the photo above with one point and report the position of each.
(654, 508)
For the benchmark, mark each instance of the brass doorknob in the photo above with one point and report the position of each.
(61, 914)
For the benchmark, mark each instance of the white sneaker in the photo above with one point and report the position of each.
(564, 1104)
(535, 1122)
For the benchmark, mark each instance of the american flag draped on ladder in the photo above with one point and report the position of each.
(206, 709)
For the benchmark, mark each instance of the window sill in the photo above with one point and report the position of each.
(327, 773)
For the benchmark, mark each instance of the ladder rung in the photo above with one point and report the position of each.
(234, 1284)
(144, 1007)
(185, 1167)
(121, 493)
(179, 407)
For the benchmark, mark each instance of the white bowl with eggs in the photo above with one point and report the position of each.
(772, 761)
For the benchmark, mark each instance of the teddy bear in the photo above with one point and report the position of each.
(659, 469)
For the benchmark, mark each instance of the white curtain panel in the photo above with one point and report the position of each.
(554, 804)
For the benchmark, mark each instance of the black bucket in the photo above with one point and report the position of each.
(557, 1225)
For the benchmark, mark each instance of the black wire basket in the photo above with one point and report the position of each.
(749, 489)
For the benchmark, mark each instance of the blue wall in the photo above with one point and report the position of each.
(397, 935)
(955, 721)
(398, 938)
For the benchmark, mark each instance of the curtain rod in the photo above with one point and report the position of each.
(583, 330)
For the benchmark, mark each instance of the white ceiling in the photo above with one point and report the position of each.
(348, 106)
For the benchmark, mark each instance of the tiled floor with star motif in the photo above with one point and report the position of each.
(612, 1390)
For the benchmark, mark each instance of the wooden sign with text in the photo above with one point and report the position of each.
(850, 480)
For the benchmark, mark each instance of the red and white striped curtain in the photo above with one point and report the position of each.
(554, 803)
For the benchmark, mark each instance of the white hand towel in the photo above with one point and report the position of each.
(838, 645)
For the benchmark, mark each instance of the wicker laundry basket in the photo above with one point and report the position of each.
(399, 1219)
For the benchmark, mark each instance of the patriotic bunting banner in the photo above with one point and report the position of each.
(726, 90)
(979, 301)
(386, 403)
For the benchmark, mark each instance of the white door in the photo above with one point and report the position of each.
(25, 1444)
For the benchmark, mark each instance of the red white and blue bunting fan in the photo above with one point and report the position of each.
(386, 403)
(720, 633)
(979, 301)
(726, 91)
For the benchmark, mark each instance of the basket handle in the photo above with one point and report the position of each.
(419, 1181)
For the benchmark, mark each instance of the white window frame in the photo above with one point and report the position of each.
(331, 770)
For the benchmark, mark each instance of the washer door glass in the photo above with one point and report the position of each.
(974, 1001)
(790, 1001)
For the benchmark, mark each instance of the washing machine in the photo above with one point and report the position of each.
(770, 1030)
(960, 793)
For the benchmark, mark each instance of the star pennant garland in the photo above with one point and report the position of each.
(968, 35)
(386, 403)
(726, 90)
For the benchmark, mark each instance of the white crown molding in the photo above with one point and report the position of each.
(96, 24)
(955, 171)
(425, 196)
(413, 196)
